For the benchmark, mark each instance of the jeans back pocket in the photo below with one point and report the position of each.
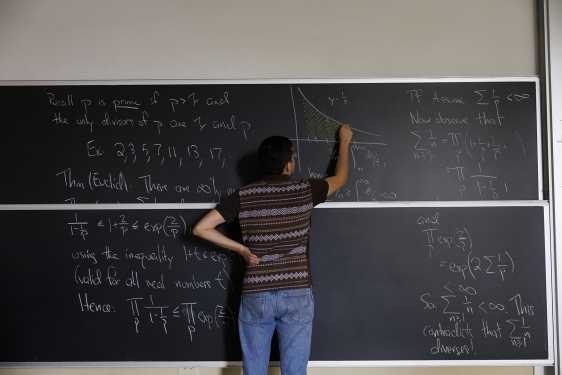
(300, 306)
(252, 308)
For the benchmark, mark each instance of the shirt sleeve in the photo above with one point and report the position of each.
(319, 190)
(229, 207)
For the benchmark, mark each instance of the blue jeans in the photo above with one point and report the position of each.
(288, 311)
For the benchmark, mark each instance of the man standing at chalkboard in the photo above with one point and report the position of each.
(274, 216)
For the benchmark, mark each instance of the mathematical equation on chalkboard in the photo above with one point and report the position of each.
(142, 273)
(161, 133)
(458, 146)
(458, 310)
(197, 143)
(465, 313)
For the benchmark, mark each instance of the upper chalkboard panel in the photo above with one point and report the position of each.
(413, 141)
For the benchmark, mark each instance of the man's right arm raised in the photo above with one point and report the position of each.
(341, 172)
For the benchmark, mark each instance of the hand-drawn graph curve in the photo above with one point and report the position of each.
(322, 128)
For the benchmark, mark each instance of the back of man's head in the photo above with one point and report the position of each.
(274, 153)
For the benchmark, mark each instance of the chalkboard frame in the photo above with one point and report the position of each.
(362, 205)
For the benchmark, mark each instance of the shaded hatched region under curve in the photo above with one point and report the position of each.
(321, 127)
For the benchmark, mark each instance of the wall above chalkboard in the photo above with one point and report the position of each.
(432, 140)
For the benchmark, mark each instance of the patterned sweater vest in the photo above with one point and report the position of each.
(275, 222)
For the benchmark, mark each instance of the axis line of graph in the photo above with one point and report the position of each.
(336, 141)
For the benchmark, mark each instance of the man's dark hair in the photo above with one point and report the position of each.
(274, 153)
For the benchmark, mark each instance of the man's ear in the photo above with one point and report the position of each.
(286, 170)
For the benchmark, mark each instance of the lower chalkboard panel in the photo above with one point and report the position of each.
(447, 283)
